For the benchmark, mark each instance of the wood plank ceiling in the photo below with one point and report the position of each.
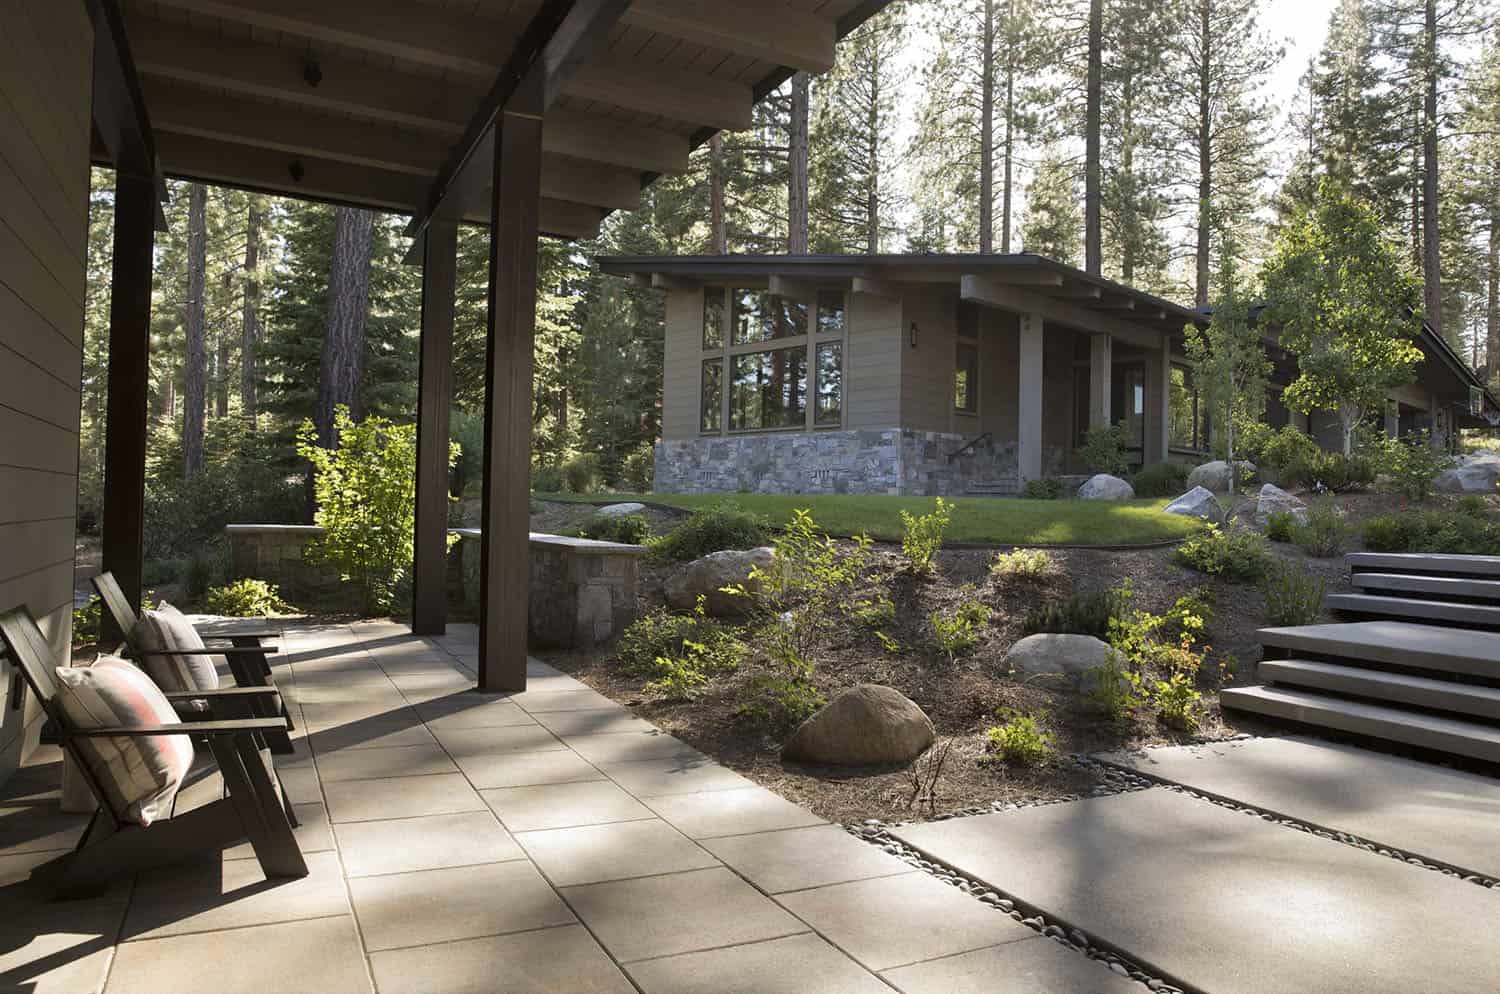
(360, 101)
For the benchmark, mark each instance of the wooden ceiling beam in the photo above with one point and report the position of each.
(660, 90)
(1025, 276)
(1021, 300)
(789, 37)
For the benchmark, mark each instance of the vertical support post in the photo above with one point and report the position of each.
(429, 609)
(123, 525)
(1158, 403)
(1101, 367)
(504, 571)
(1029, 399)
(1438, 435)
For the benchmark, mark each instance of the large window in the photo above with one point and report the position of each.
(768, 389)
(713, 317)
(830, 312)
(829, 384)
(711, 417)
(760, 316)
(966, 378)
(1187, 420)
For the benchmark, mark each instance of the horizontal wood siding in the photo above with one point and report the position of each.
(872, 365)
(999, 366)
(927, 370)
(682, 364)
(46, 49)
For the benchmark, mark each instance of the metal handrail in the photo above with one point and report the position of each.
(969, 445)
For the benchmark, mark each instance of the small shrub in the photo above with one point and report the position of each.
(957, 632)
(1046, 489)
(779, 704)
(1024, 564)
(1410, 462)
(581, 474)
(663, 635)
(1080, 614)
(638, 469)
(547, 480)
(1293, 596)
(711, 529)
(1103, 449)
(1020, 741)
(1433, 531)
(1385, 533)
(922, 536)
(86, 622)
(1474, 506)
(1280, 526)
(1324, 534)
(1176, 701)
(1164, 479)
(199, 574)
(156, 572)
(246, 598)
(889, 644)
(1238, 555)
(1329, 472)
(1113, 689)
(628, 529)
(1287, 447)
(874, 612)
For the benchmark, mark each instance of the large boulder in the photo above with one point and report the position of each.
(1052, 654)
(1473, 477)
(866, 725)
(709, 575)
(620, 510)
(1198, 502)
(1274, 500)
(1102, 486)
(1215, 475)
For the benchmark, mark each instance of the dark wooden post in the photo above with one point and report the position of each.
(129, 377)
(504, 577)
(429, 608)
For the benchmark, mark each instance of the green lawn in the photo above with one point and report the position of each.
(981, 520)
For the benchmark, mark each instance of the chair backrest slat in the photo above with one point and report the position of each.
(30, 652)
(116, 603)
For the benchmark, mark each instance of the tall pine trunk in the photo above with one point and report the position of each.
(250, 320)
(872, 137)
(1093, 249)
(196, 356)
(221, 361)
(1007, 183)
(342, 362)
(1492, 304)
(719, 230)
(1205, 154)
(1432, 276)
(987, 134)
(796, 191)
(1131, 225)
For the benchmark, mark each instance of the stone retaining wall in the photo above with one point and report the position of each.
(887, 461)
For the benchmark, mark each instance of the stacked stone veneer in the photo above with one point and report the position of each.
(278, 554)
(888, 461)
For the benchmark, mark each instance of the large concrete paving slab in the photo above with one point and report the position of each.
(1225, 902)
(1398, 643)
(1443, 815)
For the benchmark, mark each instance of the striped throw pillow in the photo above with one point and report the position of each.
(166, 628)
(139, 775)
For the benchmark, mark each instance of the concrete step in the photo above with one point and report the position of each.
(1425, 562)
(1395, 643)
(1395, 688)
(1446, 587)
(1450, 735)
(1438, 612)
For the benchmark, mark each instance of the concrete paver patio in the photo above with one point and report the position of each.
(548, 841)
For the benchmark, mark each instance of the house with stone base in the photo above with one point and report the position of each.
(941, 374)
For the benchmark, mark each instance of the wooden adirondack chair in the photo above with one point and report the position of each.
(252, 804)
(246, 655)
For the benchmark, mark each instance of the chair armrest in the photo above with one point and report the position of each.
(208, 695)
(222, 634)
(223, 650)
(236, 726)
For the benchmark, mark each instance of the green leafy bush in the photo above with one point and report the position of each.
(1276, 450)
(581, 473)
(1473, 505)
(638, 469)
(1159, 659)
(1024, 564)
(1280, 526)
(1020, 741)
(1294, 596)
(1163, 479)
(547, 480)
(86, 622)
(1324, 534)
(1103, 449)
(874, 612)
(1177, 701)
(956, 632)
(1114, 689)
(1044, 489)
(678, 653)
(1432, 531)
(366, 495)
(922, 536)
(1386, 533)
(1080, 614)
(246, 598)
(778, 703)
(1238, 554)
(1330, 471)
(629, 529)
(1410, 462)
(712, 529)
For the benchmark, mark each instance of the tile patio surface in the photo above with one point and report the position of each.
(546, 841)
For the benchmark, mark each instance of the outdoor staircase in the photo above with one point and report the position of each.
(1003, 486)
(1426, 674)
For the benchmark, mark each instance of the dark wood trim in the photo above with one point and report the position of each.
(504, 571)
(123, 525)
(119, 108)
(429, 608)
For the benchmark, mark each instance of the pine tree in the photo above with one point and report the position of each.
(1051, 225)
(195, 358)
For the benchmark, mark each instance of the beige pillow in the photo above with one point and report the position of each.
(166, 628)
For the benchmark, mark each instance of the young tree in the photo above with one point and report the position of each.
(1051, 225)
(1343, 297)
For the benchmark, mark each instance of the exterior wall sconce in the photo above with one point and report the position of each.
(912, 335)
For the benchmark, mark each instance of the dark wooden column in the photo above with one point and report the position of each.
(125, 424)
(429, 608)
(504, 577)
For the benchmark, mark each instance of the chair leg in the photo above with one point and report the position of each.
(260, 808)
(247, 674)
